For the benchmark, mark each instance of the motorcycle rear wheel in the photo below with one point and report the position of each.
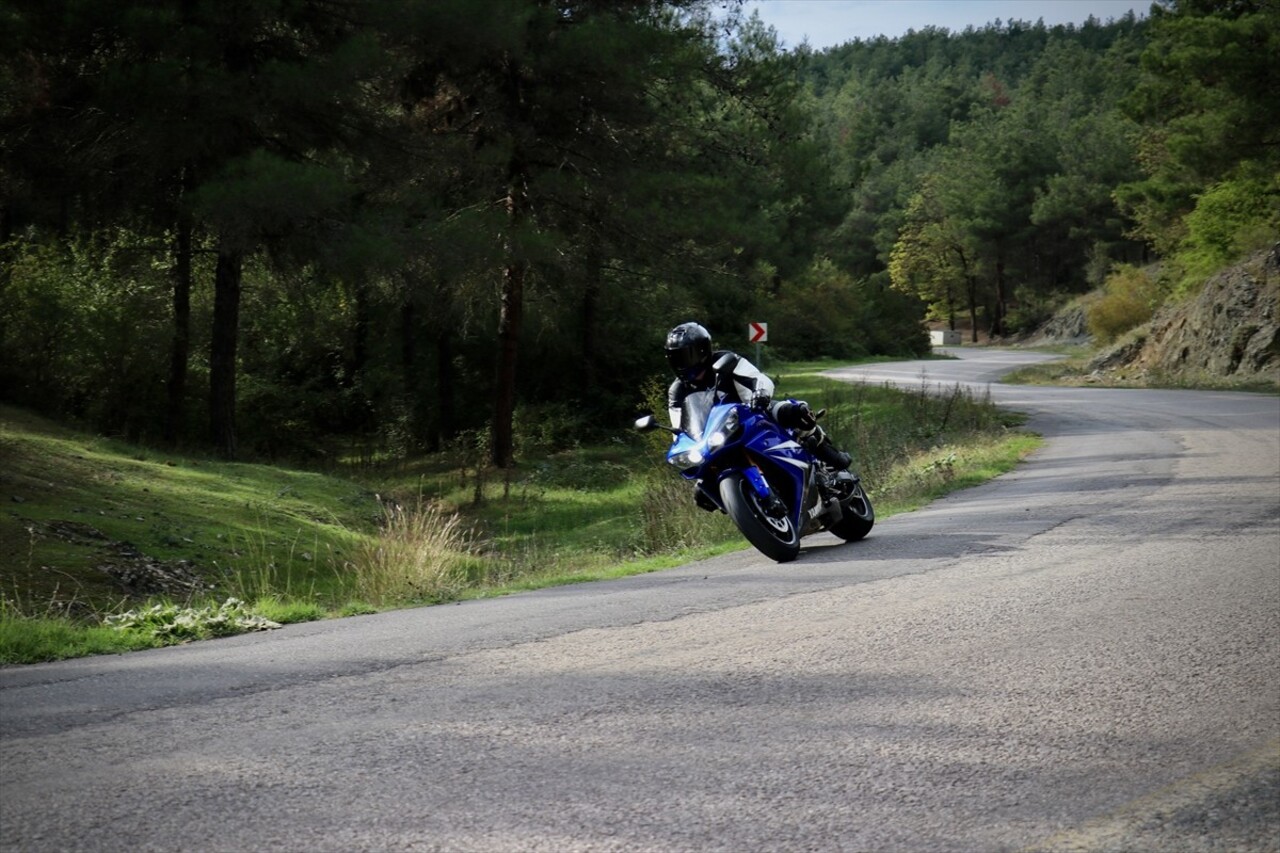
(857, 514)
(776, 538)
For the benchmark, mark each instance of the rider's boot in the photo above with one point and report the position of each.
(820, 446)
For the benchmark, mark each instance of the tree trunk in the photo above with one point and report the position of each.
(222, 351)
(413, 384)
(590, 312)
(511, 312)
(951, 306)
(446, 419)
(360, 333)
(971, 292)
(509, 320)
(180, 346)
(973, 309)
(409, 347)
(997, 320)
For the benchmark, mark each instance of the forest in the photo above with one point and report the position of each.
(305, 229)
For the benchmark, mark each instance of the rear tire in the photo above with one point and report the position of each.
(776, 538)
(857, 515)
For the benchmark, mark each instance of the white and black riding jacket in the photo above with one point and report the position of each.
(736, 379)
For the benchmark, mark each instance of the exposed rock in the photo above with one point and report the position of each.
(1231, 329)
(1229, 332)
(1068, 326)
(1119, 355)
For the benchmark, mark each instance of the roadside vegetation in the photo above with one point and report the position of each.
(107, 547)
(1075, 369)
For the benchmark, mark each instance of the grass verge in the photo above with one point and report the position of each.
(1076, 371)
(97, 534)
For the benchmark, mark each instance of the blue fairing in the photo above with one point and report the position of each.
(719, 438)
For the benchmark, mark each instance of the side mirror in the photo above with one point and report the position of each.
(646, 423)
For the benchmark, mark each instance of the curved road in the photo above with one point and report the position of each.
(1081, 655)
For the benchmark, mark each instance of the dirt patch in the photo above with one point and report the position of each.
(134, 572)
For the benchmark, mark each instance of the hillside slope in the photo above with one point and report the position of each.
(1228, 334)
(87, 522)
(1231, 330)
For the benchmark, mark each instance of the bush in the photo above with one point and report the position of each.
(1230, 220)
(71, 314)
(828, 314)
(1128, 300)
(670, 520)
(546, 427)
(1032, 309)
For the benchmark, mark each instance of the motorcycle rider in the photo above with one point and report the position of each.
(698, 367)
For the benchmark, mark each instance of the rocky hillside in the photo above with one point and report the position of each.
(1229, 333)
(1067, 326)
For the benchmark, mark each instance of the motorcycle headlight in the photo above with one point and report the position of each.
(687, 459)
(718, 438)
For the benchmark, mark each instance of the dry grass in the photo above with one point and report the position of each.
(421, 553)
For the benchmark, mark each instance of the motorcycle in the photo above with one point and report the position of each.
(744, 464)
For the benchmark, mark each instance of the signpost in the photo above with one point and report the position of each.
(758, 333)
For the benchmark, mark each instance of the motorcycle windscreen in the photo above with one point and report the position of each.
(695, 411)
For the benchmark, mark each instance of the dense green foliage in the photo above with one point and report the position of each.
(1211, 134)
(986, 186)
(377, 227)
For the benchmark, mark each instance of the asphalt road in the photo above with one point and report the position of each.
(1081, 655)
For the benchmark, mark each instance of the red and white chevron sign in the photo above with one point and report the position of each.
(758, 333)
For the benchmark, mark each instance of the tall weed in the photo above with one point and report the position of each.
(421, 553)
(262, 568)
(884, 427)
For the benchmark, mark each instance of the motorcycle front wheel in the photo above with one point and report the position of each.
(776, 538)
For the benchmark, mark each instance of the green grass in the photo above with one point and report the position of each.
(33, 639)
(1068, 371)
(78, 505)
(81, 512)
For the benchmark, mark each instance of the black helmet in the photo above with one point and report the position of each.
(688, 350)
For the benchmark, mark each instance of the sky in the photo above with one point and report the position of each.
(831, 22)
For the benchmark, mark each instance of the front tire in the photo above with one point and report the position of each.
(857, 516)
(776, 538)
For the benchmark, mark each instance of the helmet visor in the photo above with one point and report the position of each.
(684, 360)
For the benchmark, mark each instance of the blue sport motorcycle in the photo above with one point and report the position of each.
(744, 464)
